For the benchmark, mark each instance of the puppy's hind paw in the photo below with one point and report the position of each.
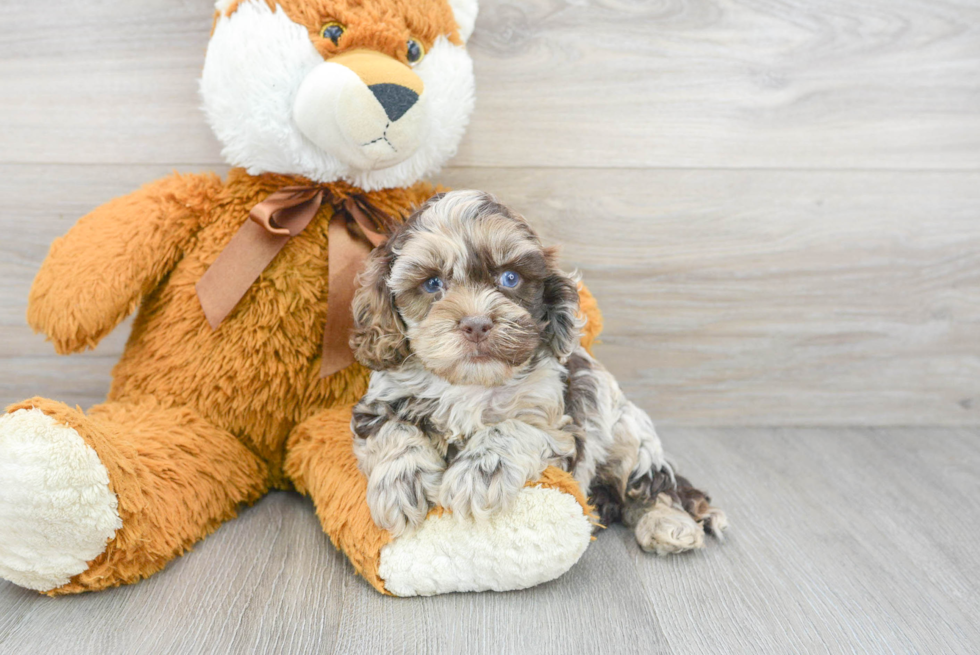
(715, 523)
(665, 529)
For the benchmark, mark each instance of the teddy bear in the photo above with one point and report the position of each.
(237, 378)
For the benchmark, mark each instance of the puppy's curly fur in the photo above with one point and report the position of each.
(479, 383)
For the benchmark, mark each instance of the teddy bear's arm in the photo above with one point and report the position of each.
(96, 275)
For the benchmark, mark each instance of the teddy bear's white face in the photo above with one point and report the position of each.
(375, 93)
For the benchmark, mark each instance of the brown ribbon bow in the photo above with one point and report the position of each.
(273, 222)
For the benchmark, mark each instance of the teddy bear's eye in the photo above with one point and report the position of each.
(333, 31)
(415, 51)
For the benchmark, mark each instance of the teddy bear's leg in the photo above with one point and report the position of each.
(320, 461)
(108, 498)
(538, 539)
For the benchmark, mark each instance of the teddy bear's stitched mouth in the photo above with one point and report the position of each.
(383, 137)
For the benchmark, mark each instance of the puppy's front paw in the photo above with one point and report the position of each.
(480, 484)
(399, 496)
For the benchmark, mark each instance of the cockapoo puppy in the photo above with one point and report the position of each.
(479, 383)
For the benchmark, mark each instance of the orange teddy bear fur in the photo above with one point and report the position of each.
(199, 421)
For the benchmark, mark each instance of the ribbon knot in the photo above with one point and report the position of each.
(273, 222)
(288, 211)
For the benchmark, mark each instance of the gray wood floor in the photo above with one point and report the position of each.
(844, 540)
(777, 203)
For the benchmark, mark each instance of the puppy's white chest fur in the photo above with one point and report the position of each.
(534, 396)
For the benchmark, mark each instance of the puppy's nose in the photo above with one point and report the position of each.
(475, 327)
(395, 99)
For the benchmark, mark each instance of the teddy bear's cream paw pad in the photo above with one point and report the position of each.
(57, 511)
(538, 539)
(666, 529)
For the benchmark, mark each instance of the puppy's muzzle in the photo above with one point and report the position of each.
(476, 328)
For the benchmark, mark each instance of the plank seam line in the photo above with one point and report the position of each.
(450, 167)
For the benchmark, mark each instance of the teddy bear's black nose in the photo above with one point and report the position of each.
(395, 98)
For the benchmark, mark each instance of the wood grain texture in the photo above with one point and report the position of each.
(843, 541)
(731, 297)
(850, 543)
(778, 206)
(774, 297)
(591, 83)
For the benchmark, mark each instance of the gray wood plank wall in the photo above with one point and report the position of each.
(776, 202)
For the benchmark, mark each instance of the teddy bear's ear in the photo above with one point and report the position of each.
(465, 12)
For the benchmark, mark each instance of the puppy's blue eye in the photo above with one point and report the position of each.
(432, 285)
(509, 279)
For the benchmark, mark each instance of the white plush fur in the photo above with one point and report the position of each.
(57, 512)
(256, 63)
(538, 539)
(336, 111)
(465, 12)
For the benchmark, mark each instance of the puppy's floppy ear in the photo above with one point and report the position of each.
(428, 203)
(378, 338)
(563, 330)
